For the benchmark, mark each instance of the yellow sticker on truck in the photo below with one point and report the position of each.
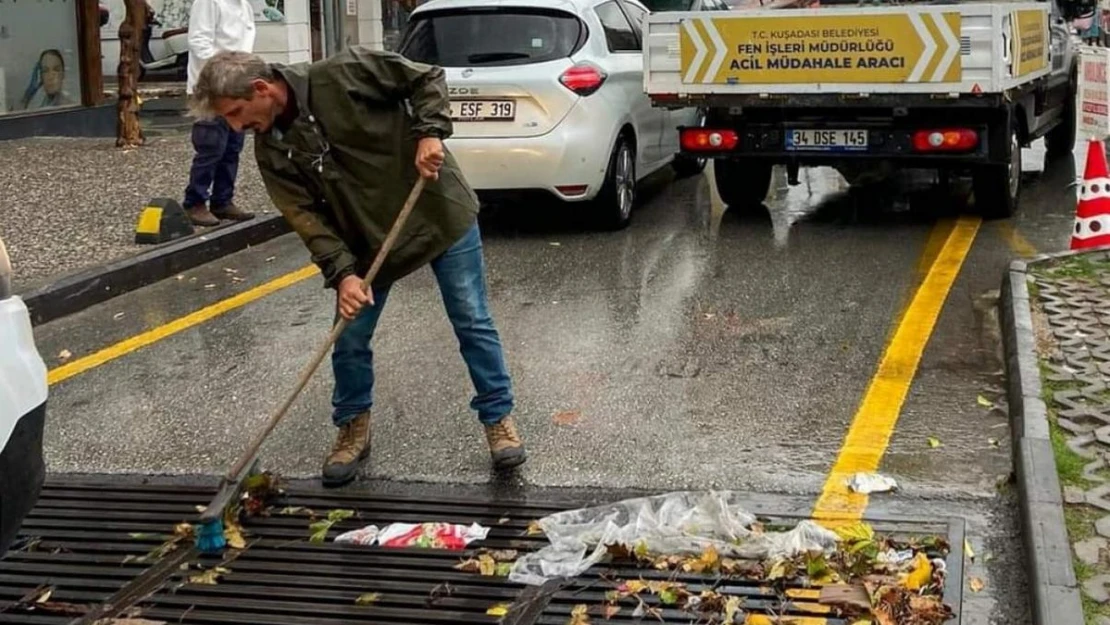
(869, 48)
(1030, 41)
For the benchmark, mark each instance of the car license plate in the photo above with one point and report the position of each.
(483, 110)
(836, 140)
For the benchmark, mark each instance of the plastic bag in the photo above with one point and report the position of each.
(671, 524)
(427, 535)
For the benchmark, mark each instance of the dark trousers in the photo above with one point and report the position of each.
(215, 164)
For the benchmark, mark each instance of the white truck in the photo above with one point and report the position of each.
(951, 86)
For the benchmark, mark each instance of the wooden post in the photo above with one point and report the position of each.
(129, 133)
(92, 79)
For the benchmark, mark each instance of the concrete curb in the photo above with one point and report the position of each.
(1055, 595)
(77, 291)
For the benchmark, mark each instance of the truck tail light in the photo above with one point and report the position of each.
(945, 140)
(583, 78)
(708, 140)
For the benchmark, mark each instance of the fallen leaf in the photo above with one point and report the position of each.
(578, 615)
(968, 551)
(534, 529)
(319, 531)
(993, 442)
(732, 606)
(270, 259)
(65, 355)
(237, 279)
(921, 574)
(611, 611)
(233, 534)
(503, 555)
(855, 532)
(118, 316)
(500, 609)
(668, 597)
(503, 520)
(184, 530)
(975, 584)
(708, 561)
(368, 598)
(844, 595)
(210, 577)
(142, 535)
(45, 596)
(984, 402)
(567, 417)
(934, 442)
(503, 569)
(294, 510)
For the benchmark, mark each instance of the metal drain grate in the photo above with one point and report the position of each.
(89, 534)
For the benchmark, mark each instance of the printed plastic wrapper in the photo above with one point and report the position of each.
(680, 523)
(426, 535)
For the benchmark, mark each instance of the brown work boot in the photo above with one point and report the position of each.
(201, 216)
(352, 446)
(505, 446)
(232, 212)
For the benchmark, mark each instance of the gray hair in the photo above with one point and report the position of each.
(227, 74)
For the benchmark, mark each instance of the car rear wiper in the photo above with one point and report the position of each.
(486, 57)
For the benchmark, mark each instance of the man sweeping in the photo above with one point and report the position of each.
(340, 143)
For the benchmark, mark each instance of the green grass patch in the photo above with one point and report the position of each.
(1069, 465)
(1082, 266)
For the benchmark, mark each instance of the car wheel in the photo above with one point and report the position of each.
(685, 165)
(618, 195)
(743, 186)
(997, 188)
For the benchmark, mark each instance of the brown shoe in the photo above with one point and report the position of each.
(232, 212)
(201, 216)
(352, 446)
(505, 446)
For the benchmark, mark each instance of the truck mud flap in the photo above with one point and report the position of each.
(100, 548)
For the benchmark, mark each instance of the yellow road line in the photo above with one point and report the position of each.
(156, 334)
(871, 428)
(1018, 243)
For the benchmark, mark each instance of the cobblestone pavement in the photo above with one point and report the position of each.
(1072, 324)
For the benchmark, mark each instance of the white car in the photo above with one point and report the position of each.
(548, 95)
(23, 392)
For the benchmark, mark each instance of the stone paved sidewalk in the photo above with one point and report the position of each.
(72, 203)
(1071, 319)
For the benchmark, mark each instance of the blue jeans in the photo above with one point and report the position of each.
(215, 163)
(461, 274)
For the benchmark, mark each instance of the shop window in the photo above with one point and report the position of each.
(39, 60)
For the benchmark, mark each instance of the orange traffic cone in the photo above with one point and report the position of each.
(1092, 213)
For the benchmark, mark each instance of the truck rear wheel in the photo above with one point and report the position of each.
(997, 188)
(744, 185)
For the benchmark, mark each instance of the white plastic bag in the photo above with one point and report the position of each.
(675, 523)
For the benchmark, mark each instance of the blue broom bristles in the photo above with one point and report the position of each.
(210, 537)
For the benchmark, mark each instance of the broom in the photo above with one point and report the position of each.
(209, 530)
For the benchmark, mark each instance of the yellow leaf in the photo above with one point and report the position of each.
(976, 584)
(500, 609)
(534, 529)
(934, 442)
(578, 615)
(611, 611)
(967, 550)
(732, 606)
(854, 532)
(368, 598)
(234, 536)
(921, 574)
(984, 402)
(486, 565)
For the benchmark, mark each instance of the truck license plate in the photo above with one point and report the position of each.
(837, 140)
(483, 110)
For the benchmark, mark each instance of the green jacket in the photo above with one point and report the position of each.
(342, 170)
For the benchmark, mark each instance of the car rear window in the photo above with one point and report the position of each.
(489, 37)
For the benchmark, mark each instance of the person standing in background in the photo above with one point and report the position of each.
(215, 26)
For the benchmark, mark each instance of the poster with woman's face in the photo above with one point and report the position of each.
(38, 58)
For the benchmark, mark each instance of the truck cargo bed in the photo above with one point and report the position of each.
(978, 48)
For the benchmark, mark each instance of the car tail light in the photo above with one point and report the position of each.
(583, 78)
(945, 140)
(708, 140)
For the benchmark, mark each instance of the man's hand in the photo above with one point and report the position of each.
(352, 297)
(429, 157)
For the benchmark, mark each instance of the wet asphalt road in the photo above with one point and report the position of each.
(692, 350)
